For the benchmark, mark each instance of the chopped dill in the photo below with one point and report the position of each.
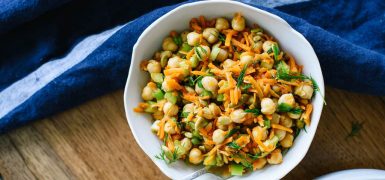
(241, 76)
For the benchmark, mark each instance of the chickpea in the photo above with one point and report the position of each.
(275, 157)
(189, 108)
(267, 45)
(238, 23)
(275, 118)
(165, 85)
(246, 58)
(193, 38)
(204, 52)
(147, 93)
(210, 83)
(174, 62)
(153, 66)
(304, 91)
(195, 156)
(287, 99)
(222, 55)
(189, 89)
(223, 127)
(164, 55)
(259, 133)
(214, 109)
(155, 126)
(207, 113)
(267, 63)
(286, 121)
(198, 89)
(257, 47)
(211, 35)
(259, 163)
(294, 116)
(169, 44)
(186, 144)
(268, 106)
(221, 24)
(194, 61)
(199, 122)
(287, 141)
(224, 120)
(170, 109)
(280, 134)
(219, 136)
(228, 63)
(169, 128)
(183, 35)
(238, 116)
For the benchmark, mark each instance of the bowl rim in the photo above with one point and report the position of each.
(315, 120)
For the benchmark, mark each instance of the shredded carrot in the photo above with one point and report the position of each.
(277, 126)
(292, 64)
(138, 109)
(190, 97)
(174, 84)
(232, 98)
(266, 90)
(199, 73)
(236, 98)
(239, 44)
(288, 83)
(173, 33)
(189, 54)
(309, 109)
(152, 85)
(229, 35)
(245, 34)
(190, 116)
(255, 85)
(161, 128)
(202, 21)
(172, 71)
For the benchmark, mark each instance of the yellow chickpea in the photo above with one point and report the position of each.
(259, 133)
(238, 23)
(259, 163)
(169, 44)
(275, 157)
(287, 141)
(222, 24)
(195, 156)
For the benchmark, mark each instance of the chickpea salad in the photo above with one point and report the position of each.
(224, 95)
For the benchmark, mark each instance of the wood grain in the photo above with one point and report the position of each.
(93, 141)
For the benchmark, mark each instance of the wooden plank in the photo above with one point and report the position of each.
(12, 164)
(39, 157)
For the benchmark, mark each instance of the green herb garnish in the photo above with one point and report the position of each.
(221, 37)
(254, 111)
(245, 87)
(356, 128)
(184, 114)
(275, 51)
(255, 156)
(266, 123)
(296, 111)
(241, 76)
(231, 132)
(256, 30)
(234, 145)
(283, 107)
(178, 40)
(198, 50)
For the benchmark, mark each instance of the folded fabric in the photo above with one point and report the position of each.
(50, 63)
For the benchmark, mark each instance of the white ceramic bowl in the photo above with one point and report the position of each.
(177, 19)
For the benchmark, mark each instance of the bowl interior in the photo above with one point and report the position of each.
(177, 19)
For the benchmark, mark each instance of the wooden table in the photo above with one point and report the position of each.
(93, 141)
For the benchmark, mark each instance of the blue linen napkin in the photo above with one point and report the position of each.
(49, 61)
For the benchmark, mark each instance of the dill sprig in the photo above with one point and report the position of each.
(356, 128)
(221, 37)
(254, 111)
(234, 145)
(231, 132)
(275, 51)
(241, 76)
